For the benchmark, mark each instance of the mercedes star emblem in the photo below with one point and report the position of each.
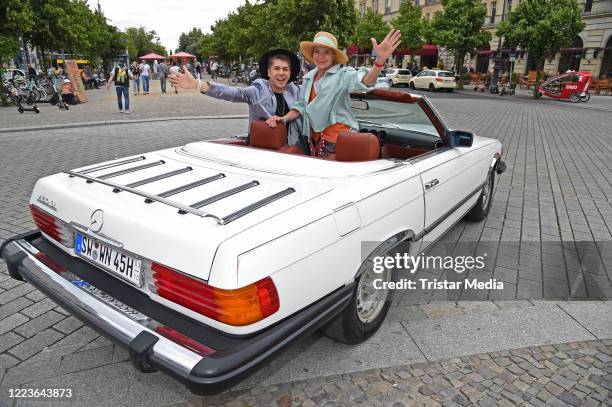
(97, 220)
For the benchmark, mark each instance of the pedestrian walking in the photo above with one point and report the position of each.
(164, 69)
(198, 70)
(121, 76)
(213, 69)
(145, 75)
(136, 77)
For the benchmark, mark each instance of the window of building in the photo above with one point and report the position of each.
(375, 6)
(588, 4)
(427, 15)
(387, 6)
(362, 8)
(493, 11)
(416, 2)
(509, 6)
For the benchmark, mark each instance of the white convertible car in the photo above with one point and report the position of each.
(206, 260)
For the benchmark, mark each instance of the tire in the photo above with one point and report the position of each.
(391, 84)
(36, 109)
(411, 86)
(575, 97)
(361, 318)
(432, 88)
(537, 94)
(42, 95)
(483, 205)
(586, 97)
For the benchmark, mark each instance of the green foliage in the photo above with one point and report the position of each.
(542, 26)
(458, 28)
(411, 24)
(16, 17)
(189, 42)
(368, 26)
(140, 42)
(256, 27)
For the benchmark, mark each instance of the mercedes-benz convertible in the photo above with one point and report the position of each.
(206, 260)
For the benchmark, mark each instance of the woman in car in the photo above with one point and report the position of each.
(324, 102)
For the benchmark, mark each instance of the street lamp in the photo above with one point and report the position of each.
(497, 59)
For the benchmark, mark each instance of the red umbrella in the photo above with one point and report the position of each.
(152, 56)
(182, 55)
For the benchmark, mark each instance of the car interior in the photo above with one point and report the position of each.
(374, 140)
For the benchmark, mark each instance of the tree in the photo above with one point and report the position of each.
(188, 42)
(458, 28)
(542, 27)
(141, 42)
(368, 26)
(411, 24)
(17, 18)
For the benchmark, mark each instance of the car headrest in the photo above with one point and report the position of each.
(357, 147)
(263, 136)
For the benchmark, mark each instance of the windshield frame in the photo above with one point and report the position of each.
(403, 97)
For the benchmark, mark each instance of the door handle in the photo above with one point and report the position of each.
(432, 183)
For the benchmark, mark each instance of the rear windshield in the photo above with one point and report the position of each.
(445, 74)
(404, 72)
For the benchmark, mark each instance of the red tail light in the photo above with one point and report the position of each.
(184, 341)
(237, 307)
(439, 80)
(52, 227)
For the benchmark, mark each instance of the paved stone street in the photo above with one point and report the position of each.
(557, 188)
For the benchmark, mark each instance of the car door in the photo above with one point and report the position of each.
(418, 80)
(452, 179)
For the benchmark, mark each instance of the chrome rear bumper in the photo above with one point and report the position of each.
(149, 350)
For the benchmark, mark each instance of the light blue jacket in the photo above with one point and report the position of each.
(333, 102)
(261, 100)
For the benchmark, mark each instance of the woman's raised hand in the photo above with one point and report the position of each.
(387, 46)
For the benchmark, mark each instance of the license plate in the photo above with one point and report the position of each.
(118, 305)
(109, 258)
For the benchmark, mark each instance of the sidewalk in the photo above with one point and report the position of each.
(102, 107)
(601, 102)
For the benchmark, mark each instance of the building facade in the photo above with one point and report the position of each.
(591, 50)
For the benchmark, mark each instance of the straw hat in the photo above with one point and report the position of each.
(325, 40)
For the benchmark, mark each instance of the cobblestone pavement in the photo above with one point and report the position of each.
(570, 374)
(557, 188)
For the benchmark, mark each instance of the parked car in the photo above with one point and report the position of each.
(206, 260)
(398, 76)
(382, 81)
(433, 79)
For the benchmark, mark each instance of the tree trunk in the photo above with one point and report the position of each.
(459, 69)
(539, 68)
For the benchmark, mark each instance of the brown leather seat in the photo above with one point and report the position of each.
(357, 147)
(263, 136)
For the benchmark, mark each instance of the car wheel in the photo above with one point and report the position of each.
(432, 88)
(481, 209)
(366, 311)
(411, 86)
(391, 84)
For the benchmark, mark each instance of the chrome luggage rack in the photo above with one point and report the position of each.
(162, 197)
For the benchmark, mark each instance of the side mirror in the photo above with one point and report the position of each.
(460, 138)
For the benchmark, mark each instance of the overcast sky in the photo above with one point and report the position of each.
(168, 18)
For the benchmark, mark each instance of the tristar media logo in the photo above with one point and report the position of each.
(97, 220)
(43, 200)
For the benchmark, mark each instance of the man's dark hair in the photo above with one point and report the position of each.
(281, 57)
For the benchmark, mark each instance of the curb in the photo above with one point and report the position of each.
(115, 122)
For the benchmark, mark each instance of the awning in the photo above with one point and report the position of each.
(425, 50)
(152, 56)
(485, 52)
(182, 55)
